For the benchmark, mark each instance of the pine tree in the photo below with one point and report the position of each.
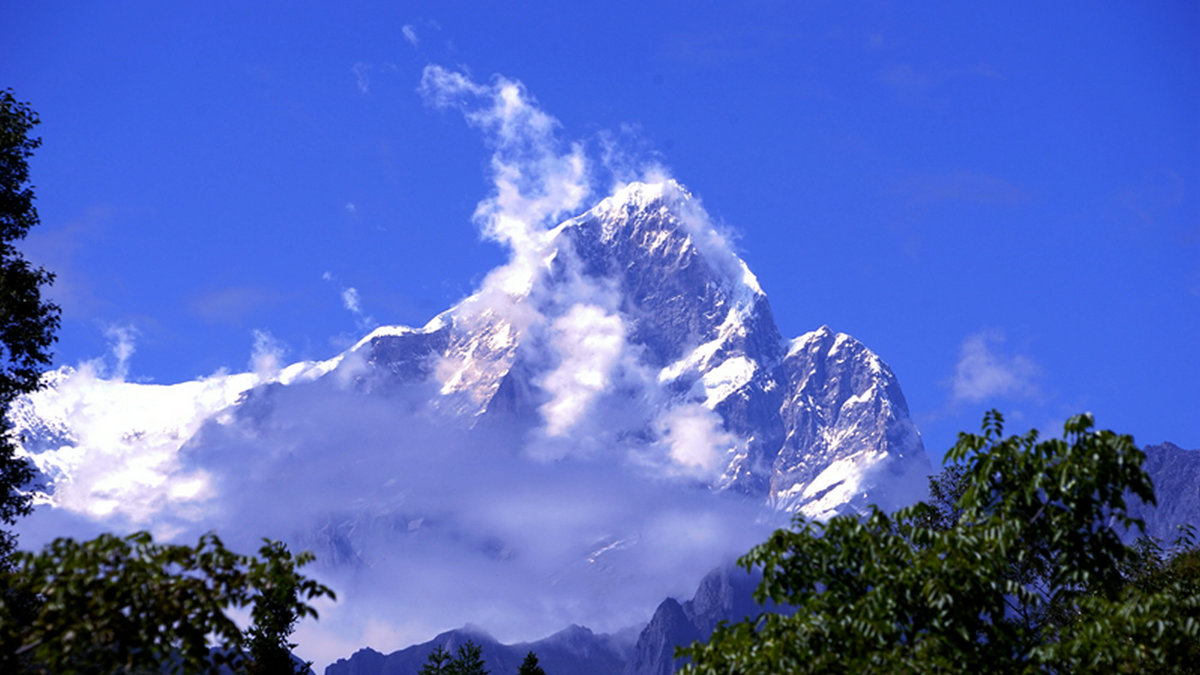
(530, 666)
(469, 660)
(438, 663)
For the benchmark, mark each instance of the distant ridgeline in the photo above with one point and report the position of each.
(723, 595)
(726, 595)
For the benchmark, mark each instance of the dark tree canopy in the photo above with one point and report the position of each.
(278, 605)
(468, 661)
(27, 322)
(1017, 565)
(530, 666)
(438, 663)
(125, 604)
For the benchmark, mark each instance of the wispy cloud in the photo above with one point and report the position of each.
(984, 371)
(904, 76)
(266, 357)
(352, 302)
(696, 437)
(362, 76)
(536, 179)
(56, 248)
(926, 85)
(233, 304)
(410, 35)
(959, 186)
(122, 344)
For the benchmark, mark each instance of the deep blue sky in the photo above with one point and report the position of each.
(1002, 197)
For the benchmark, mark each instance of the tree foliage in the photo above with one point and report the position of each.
(125, 604)
(439, 662)
(278, 605)
(27, 321)
(1017, 565)
(530, 666)
(468, 661)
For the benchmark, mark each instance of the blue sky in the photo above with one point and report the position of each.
(1000, 201)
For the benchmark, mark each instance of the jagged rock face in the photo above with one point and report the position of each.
(674, 296)
(843, 414)
(725, 594)
(655, 650)
(1175, 473)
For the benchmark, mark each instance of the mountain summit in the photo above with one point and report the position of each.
(640, 327)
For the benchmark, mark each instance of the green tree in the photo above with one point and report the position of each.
(277, 607)
(530, 666)
(27, 322)
(1024, 572)
(438, 663)
(469, 660)
(125, 604)
(942, 511)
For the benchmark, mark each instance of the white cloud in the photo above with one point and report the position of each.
(266, 357)
(410, 35)
(984, 371)
(351, 208)
(119, 459)
(697, 439)
(122, 343)
(535, 179)
(116, 448)
(350, 300)
(589, 341)
(438, 520)
(362, 76)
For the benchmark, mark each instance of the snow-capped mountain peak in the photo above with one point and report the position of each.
(642, 324)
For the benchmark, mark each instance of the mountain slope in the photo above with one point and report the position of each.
(1175, 473)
